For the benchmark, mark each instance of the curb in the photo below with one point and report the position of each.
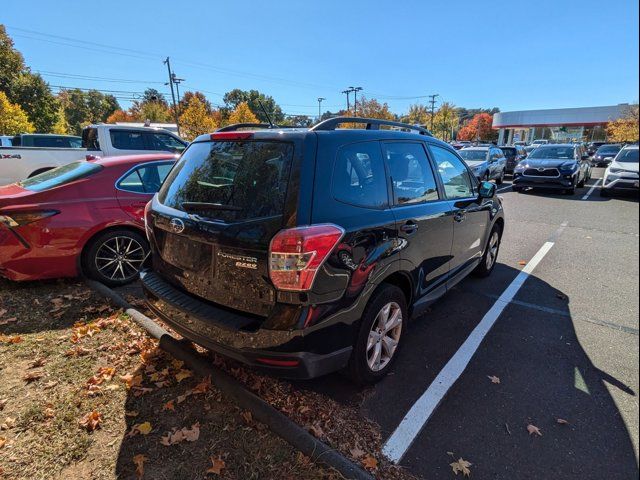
(277, 422)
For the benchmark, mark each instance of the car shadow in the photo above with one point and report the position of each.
(546, 378)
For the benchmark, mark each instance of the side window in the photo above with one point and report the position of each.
(455, 176)
(145, 179)
(164, 142)
(411, 173)
(127, 140)
(358, 176)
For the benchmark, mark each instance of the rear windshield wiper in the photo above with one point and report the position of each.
(200, 206)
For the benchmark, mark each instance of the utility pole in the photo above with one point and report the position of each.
(355, 91)
(173, 96)
(177, 81)
(432, 101)
(320, 99)
(347, 92)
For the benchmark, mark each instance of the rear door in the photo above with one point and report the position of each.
(424, 218)
(215, 216)
(470, 214)
(136, 187)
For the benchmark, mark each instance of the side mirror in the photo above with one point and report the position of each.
(488, 190)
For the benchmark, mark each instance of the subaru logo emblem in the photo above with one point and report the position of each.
(177, 225)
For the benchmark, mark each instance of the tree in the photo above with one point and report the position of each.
(186, 98)
(33, 94)
(418, 115)
(13, 120)
(253, 98)
(624, 129)
(373, 109)
(61, 126)
(243, 114)
(121, 116)
(445, 121)
(297, 121)
(84, 108)
(152, 107)
(11, 61)
(195, 120)
(479, 129)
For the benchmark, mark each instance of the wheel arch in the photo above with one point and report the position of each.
(402, 280)
(101, 231)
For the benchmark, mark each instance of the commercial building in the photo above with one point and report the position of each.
(586, 124)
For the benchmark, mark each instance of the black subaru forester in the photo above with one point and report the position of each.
(306, 251)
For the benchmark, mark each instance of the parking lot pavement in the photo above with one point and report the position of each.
(565, 347)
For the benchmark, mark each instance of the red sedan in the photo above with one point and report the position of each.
(83, 218)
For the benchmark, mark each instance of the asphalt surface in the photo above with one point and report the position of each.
(565, 348)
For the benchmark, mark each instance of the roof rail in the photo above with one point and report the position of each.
(238, 126)
(371, 124)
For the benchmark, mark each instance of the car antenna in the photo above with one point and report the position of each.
(271, 125)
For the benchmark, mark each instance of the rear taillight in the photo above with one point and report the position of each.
(147, 220)
(16, 219)
(231, 135)
(296, 254)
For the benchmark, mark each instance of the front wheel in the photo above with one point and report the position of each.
(115, 257)
(490, 257)
(380, 336)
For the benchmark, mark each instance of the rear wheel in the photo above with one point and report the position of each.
(380, 335)
(115, 257)
(490, 257)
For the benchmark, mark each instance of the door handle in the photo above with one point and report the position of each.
(459, 216)
(409, 227)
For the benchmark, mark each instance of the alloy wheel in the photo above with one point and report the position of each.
(384, 336)
(120, 258)
(492, 253)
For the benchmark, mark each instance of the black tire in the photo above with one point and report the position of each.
(500, 179)
(129, 250)
(359, 370)
(484, 269)
(582, 182)
(604, 193)
(570, 191)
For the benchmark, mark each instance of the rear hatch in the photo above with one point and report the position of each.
(215, 216)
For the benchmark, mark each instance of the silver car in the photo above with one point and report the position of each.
(487, 163)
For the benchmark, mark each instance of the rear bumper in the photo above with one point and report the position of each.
(233, 334)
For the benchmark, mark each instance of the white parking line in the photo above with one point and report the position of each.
(593, 187)
(411, 425)
(504, 188)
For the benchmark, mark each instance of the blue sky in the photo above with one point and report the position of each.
(513, 55)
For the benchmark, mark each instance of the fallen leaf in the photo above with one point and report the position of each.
(562, 421)
(7, 321)
(141, 428)
(11, 339)
(32, 376)
(191, 435)
(3, 442)
(182, 374)
(179, 435)
(370, 463)
(493, 378)
(533, 430)
(91, 421)
(248, 418)
(217, 464)
(169, 406)
(357, 452)
(461, 466)
(177, 364)
(2, 311)
(49, 412)
(202, 387)
(138, 461)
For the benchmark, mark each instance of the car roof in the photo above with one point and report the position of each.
(482, 148)
(134, 159)
(633, 147)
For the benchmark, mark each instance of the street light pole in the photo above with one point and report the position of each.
(320, 99)
(347, 92)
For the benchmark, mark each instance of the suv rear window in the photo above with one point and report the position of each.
(60, 176)
(234, 181)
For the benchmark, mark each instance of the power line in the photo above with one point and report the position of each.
(92, 78)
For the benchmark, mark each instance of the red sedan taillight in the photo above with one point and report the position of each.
(17, 218)
(296, 254)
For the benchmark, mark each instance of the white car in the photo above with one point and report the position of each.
(20, 162)
(622, 173)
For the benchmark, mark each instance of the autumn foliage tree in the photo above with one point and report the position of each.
(373, 109)
(625, 129)
(479, 128)
(242, 114)
(13, 120)
(196, 119)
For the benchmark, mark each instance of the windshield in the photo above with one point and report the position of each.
(608, 149)
(60, 176)
(555, 152)
(628, 156)
(473, 155)
(230, 181)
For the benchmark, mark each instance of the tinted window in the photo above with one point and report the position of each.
(127, 140)
(164, 142)
(473, 155)
(145, 179)
(628, 155)
(411, 173)
(359, 177)
(54, 142)
(234, 180)
(455, 176)
(511, 152)
(608, 149)
(60, 176)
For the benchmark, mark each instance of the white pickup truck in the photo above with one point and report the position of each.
(18, 163)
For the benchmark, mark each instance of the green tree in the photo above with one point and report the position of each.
(33, 94)
(445, 121)
(374, 109)
(84, 108)
(253, 98)
(152, 107)
(11, 61)
(13, 120)
(418, 115)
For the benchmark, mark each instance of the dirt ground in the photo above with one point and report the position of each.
(84, 393)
